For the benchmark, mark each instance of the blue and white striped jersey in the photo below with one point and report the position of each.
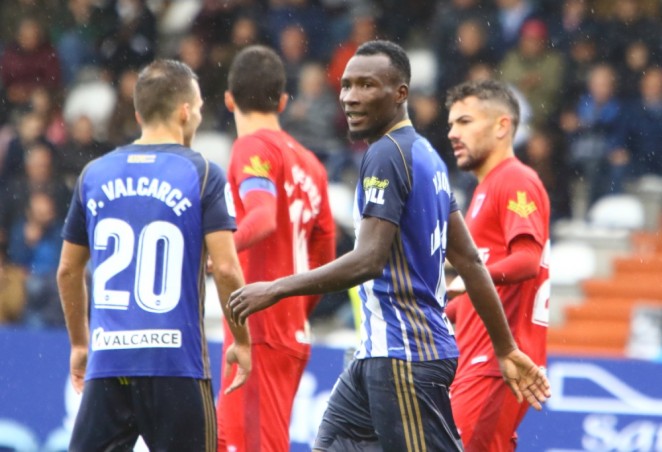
(143, 211)
(403, 180)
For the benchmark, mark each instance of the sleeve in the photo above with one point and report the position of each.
(253, 161)
(323, 237)
(523, 208)
(454, 205)
(385, 179)
(75, 225)
(217, 207)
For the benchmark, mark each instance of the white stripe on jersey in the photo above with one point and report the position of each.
(403, 329)
(377, 325)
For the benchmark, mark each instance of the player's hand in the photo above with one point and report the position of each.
(525, 379)
(77, 366)
(455, 288)
(249, 299)
(241, 356)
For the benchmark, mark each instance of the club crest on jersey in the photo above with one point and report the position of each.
(258, 167)
(374, 189)
(522, 207)
(478, 203)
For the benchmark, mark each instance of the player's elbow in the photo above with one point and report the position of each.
(226, 271)
(65, 273)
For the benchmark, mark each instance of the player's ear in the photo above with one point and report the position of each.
(229, 101)
(282, 102)
(504, 126)
(402, 94)
(139, 119)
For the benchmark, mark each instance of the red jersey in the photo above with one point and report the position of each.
(303, 214)
(510, 201)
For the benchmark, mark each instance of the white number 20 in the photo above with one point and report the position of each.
(159, 301)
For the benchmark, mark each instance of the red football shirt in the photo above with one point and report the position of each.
(510, 201)
(303, 214)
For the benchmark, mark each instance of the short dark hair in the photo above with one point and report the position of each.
(395, 53)
(487, 90)
(161, 86)
(257, 79)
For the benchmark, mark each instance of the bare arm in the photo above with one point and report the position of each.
(228, 277)
(73, 296)
(365, 262)
(520, 373)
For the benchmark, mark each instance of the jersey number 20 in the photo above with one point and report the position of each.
(169, 286)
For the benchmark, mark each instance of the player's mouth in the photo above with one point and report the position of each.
(458, 149)
(354, 118)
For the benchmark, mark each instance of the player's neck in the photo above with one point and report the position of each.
(493, 160)
(248, 123)
(161, 134)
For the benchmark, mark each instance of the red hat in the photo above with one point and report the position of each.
(534, 28)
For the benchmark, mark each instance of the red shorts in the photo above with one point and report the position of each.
(256, 417)
(487, 414)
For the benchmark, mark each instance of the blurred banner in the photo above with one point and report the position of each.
(597, 404)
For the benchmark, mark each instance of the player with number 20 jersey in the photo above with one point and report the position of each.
(143, 211)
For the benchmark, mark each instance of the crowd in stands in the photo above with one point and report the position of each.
(588, 74)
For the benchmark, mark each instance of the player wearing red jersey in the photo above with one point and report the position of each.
(284, 226)
(508, 219)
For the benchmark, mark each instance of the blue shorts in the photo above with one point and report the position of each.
(386, 404)
(170, 413)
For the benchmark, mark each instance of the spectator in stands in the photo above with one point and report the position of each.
(304, 14)
(48, 104)
(28, 62)
(574, 21)
(132, 42)
(535, 70)
(193, 52)
(580, 58)
(545, 153)
(245, 32)
(12, 12)
(34, 244)
(628, 24)
(470, 48)
(638, 58)
(12, 290)
(31, 130)
(450, 15)
(312, 116)
(216, 20)
(590, 129)
(77, 31)
(293, 47)
(638, 137)
(122, 125)
(81, 148)
(511, 17)
(364, 28)
(40, 175)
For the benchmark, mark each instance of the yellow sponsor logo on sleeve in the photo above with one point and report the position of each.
(373, 182)
(522, 207)
(258, 167)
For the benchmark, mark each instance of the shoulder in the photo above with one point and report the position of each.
(398, 143)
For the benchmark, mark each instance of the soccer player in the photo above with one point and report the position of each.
(508, 219)
(394, 396)
(284, 226)
(146, 215)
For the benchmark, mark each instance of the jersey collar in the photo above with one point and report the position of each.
(400, 125)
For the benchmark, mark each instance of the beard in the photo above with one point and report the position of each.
(370, 135)
(469, 164)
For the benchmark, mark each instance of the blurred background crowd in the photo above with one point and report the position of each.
(588, 74)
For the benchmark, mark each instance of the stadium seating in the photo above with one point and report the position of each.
(601, 323)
